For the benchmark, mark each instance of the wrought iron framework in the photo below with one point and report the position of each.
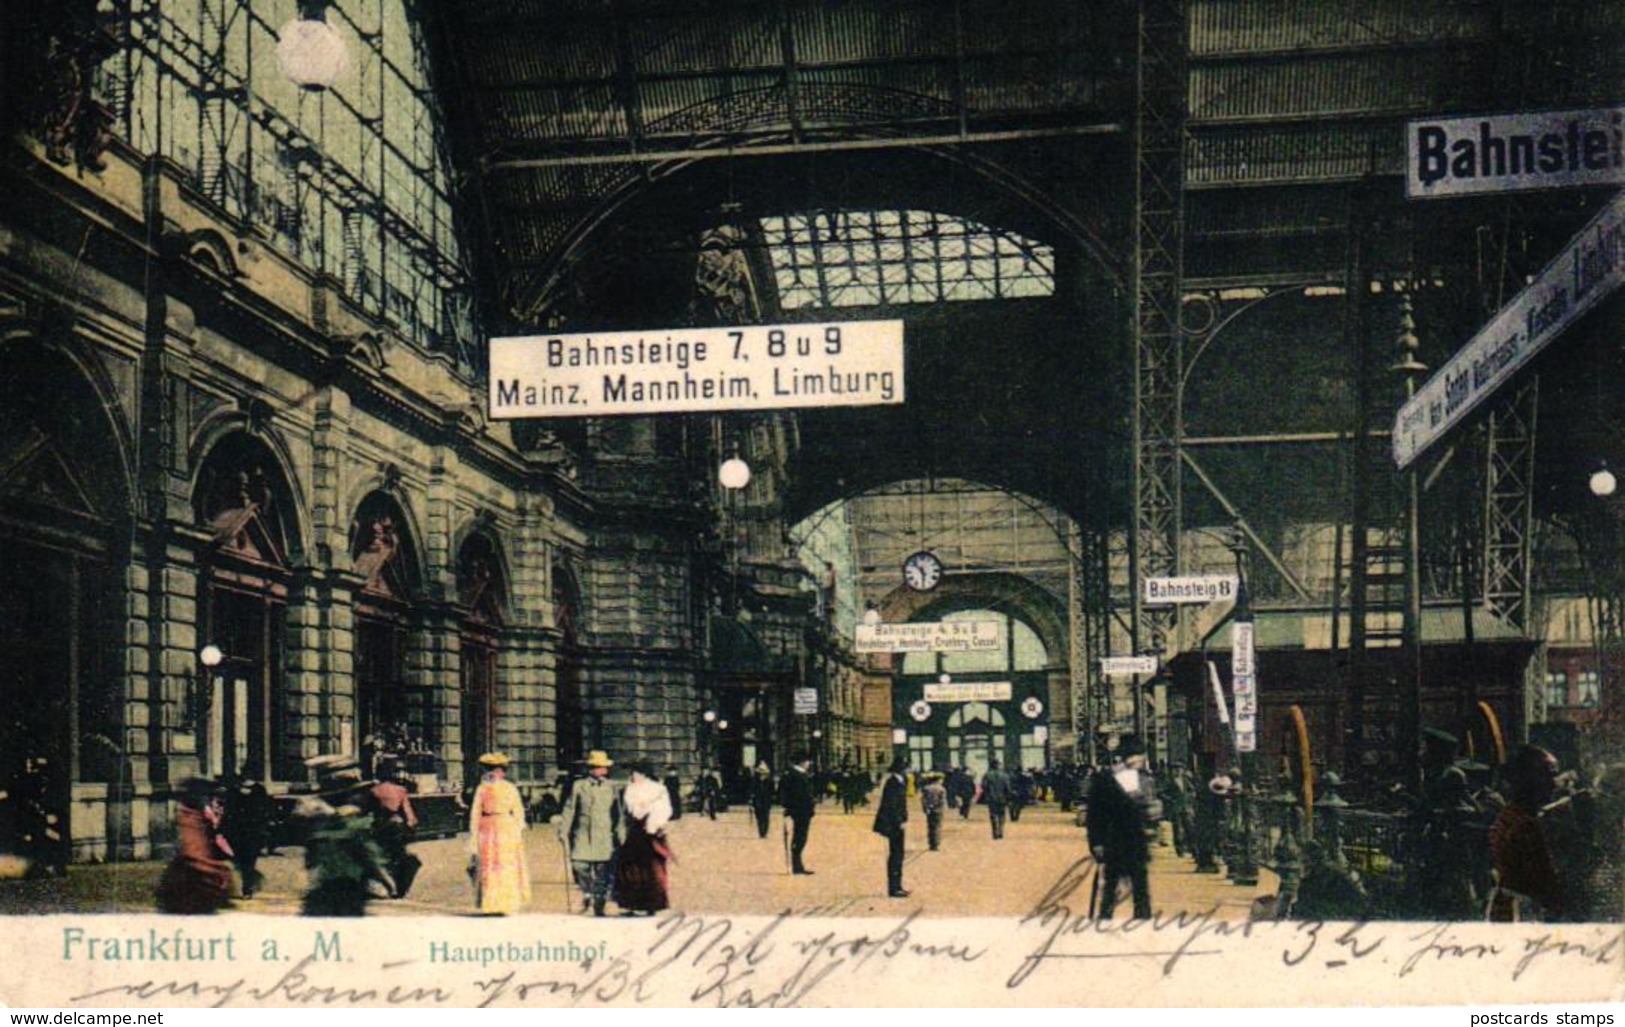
(363, 163)
(870, 258)
(1159, 140)
(1509, 504)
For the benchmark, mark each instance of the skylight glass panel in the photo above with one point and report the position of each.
(873, 258)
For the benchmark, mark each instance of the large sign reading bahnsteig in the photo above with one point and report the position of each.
(1509, 152)
(698, 370)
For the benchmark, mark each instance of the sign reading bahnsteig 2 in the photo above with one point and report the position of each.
(1588, 268)
(698, 370)
(1508, 152)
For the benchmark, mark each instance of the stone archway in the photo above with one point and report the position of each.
(65, 727)
(393, 719)
(483, 602)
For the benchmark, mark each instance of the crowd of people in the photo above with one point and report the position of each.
(1524, 841)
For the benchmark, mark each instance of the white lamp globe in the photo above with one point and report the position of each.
(211, 655)
(311, 54)
(871, 616)
(945, 678)
(722, 725)
(1603, 482)
(734, 473)
(709, 716)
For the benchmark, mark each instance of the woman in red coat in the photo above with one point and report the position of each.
(198, 878)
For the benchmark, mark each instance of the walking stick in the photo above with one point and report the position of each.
(786, 834)
(564, 849)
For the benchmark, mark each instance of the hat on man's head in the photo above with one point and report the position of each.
(599, 758)
(494, 759)
(1130, 745)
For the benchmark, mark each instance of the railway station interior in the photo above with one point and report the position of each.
(1163, 295)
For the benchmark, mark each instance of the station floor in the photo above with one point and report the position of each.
(724, 867)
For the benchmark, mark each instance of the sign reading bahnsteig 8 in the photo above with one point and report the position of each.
(1586, 270)
(698, 370)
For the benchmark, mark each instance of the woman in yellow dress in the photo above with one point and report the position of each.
(496, 841)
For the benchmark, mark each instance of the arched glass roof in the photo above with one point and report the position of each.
(859, 258)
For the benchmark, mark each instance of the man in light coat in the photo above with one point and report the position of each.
(592, 828)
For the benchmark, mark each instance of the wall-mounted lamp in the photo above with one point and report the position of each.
(871, 617)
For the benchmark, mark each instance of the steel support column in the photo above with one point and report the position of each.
(1159, 139)
(1509, 491)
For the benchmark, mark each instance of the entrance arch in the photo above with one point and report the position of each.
(976, 736)
(570, 720)
(243, 499)
(482, 593)
(64, 493)
(392, 718)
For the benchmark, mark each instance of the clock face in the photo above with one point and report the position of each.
(922, 572)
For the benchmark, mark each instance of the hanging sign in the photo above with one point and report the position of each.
(968, 691)
(698, 370)
(804, 701)
(1586, 270)
(1199, 588)
(1244, 685)
(948, 636)
(1123, 666)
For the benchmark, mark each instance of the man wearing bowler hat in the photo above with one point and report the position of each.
(592, 828)
(1121, 811)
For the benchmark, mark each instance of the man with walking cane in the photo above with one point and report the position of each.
(592, 828)
(564, 848)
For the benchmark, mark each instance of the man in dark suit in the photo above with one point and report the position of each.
(796, 794)
(1120, 813)
(889, 821)
(996, 792)
(761, 797)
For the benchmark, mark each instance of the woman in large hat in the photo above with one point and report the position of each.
(496, 840)
(640, 866)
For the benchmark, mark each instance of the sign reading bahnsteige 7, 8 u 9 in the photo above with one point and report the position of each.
(1506, 152)
(698, 370)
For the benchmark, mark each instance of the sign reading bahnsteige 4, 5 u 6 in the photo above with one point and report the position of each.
(698, 370)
